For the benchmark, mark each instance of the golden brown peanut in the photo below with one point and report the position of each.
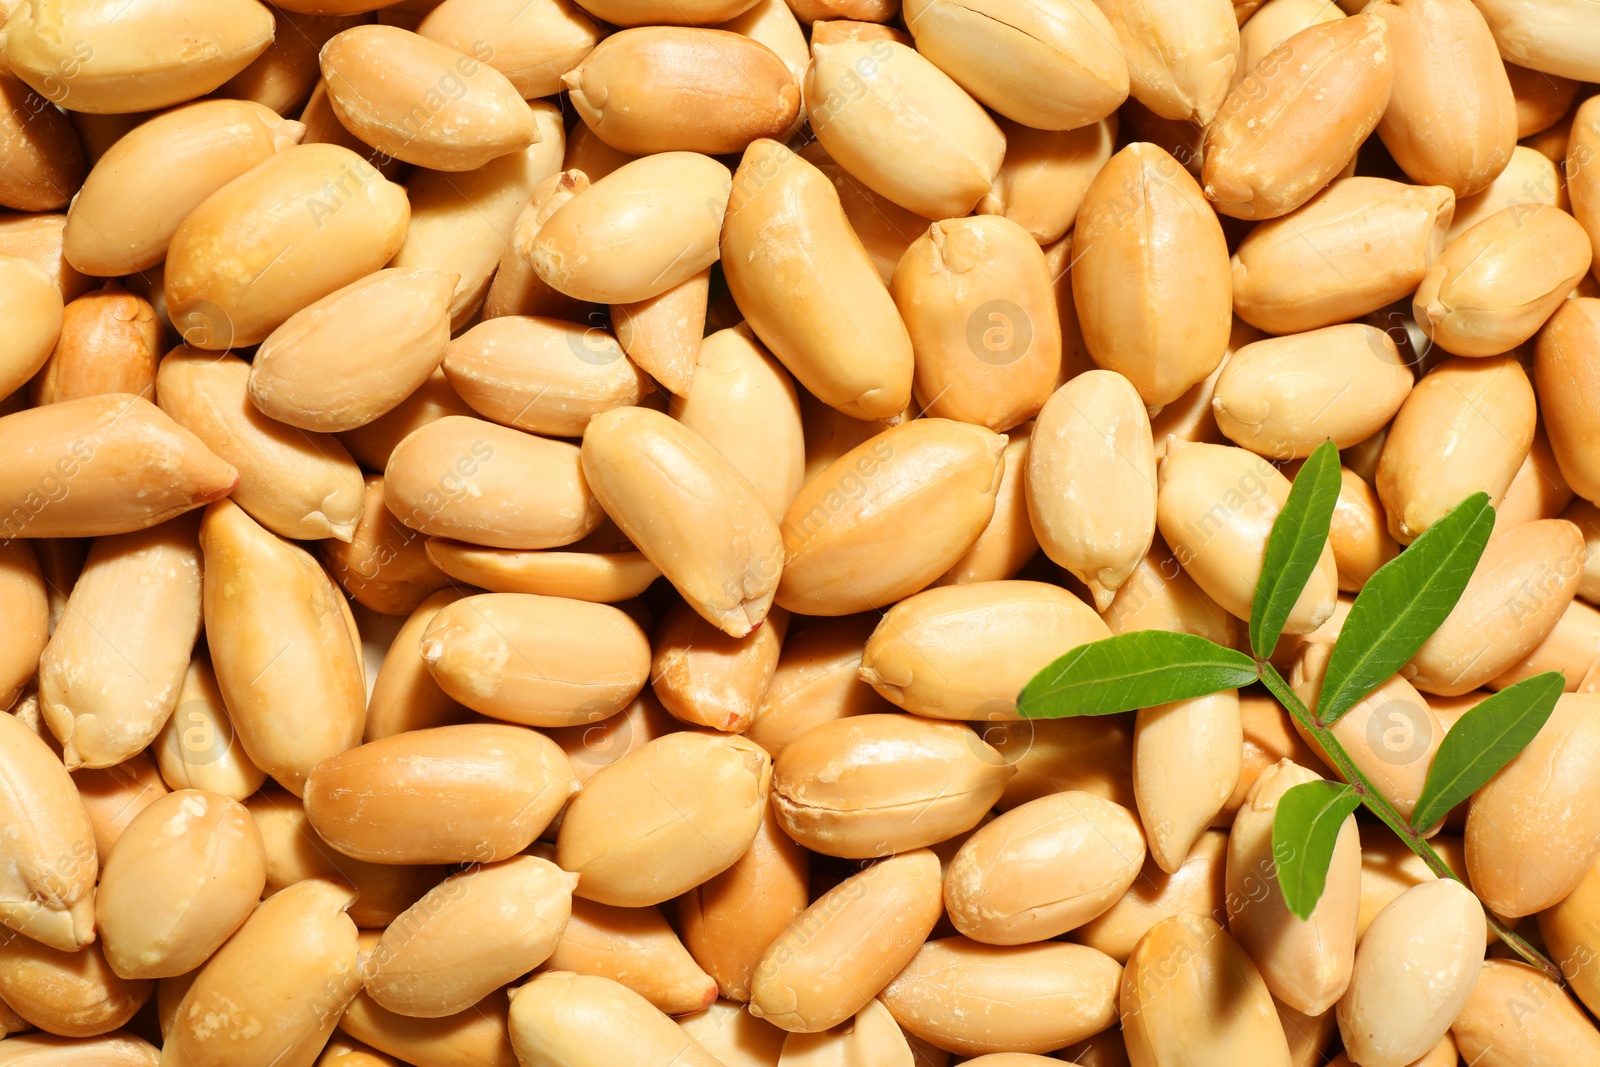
(1572, 648)
(969, 998)
(274, 992)
(1359, 534)
(1056, 68)
(114, 667)
(112, 1050)
(1195, 888)
(744, 403)
(114, 795)
(664, 818)
(965, 651)
(816, 681)
(1528, 179)
(542, 375)
(1280, 21)
(1538, 490)
(632, 459)
(97, 133)
(375, 442)
(102, 465)
(484, 792)
(404, 694)
(1568, 929)
(591, 156)
(572, 1020)
(283, 646)
(830, 433)
(1306, 963)
(1568, 390)
(1159, 595)
(1043, 868)
(1329, 84)
(1530, 837)
(663, 333)
(888, 489)
(473, 115)
(474, 1037)
(635, 947)
(677, 88)
(1045, 174)
(1516, 1016)
(729, 920)
(1181, 56)
(26, 609)
(902, 126)
(1052, 756)
(884, 228)
(1221, 552)
(110, 342)
(197, 748)
(731, 1034)
(635, 233)
(537, 661)
(1283, 396)
(975, 295)
(1355, 247)
(703, 677)
(872, 785)
(1465, 427)
(1579, 159)
(384, 566)
(531, 44)
(1542, 99)
(1269, 736)
(45, 161)
(283, 76)
(1140, 211)
(1414, 971)
(1186, 762)
(489, 484)
(873, 11)
(101, 57)
(1007, 543)
(596, 745)
(32, 303)
(1522, 585)
(1189, 986)
(50, 862)
(469, 935)
(183, 876)
(1553, 38)
(39, 240)
(601, 577)
(845, 948)
(72, 994)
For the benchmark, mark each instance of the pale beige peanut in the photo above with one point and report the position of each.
(1195, 888)
(731, 1034)
(1148, 249)
(404, 694)
(636, 948)
(1359, 534)
(1222, 552)
(39, 1049)
(1572, 649)
(889, 488)
(1389, 868)
(114, 795)
(545, 376)
(184, 875)
(375, 442)
(774, 24)
(1190, 418)
(32, 303)
(1586, 517)
(1280, 20)
(384, 566)
(24, 605)
(100, 57)
(197, 747)
(1190, 992)
(107, 464)
(1568, 929)
(1517, 1017)
(1043, 868)
(742, 401)
(902, 126)
(1568, 390)
(694, 797)
(1181, 56)
(474, 480)
(1355, 247)
(830, 433)
(1552, 38)
(1414, 971)
(1050, 68)
(1159, 595)
(276, 989)
(1283, 396)
(729, 921)
(884, 228)
(570, 1020)
(1093, 754)
(872, 785)
(703, 677)
(1306, 963)
(531, 44)
(872, 1036)
(305, 223)
(1046, 173)
(1530, 837)
(537, 661)
(1007, 543)
(110, 342)
(602, 577)
(72, 994)
(50, 862)
(1529, 178)
(663, 333)
(1465, 427)
(1538, 490)
(39, 239)
(969, 998)
(516, 288)
(45, 161)
(282, 645)
(469, 935)
(142, 187)
(966, 651)
(1186, 761)
(805, 284)
(661, 482)
(1522, 585)
(635, 233)
(113, 670)
(1329, 84)
(817, 680)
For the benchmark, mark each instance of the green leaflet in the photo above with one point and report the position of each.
(1304, 833)
(1130, 671)
(1296, 542)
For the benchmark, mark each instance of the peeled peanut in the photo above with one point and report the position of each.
(476, 1036)
(404, 694)
(40, 240)
(663, 333)
(1159, 595)
(532, 44)
(817, 680)
(1529, 178)
(384, 566)
(375, 442)
(636, 947)
(595, 745)
(24, 604)
(1389, 868)
(1359, 534)
(601, 577)
(112, 1050)
(197, 747)
(1181, 55)
(1552, 38)
(884, 228)
(731, 1034)
(1572, 649)
(32, 304)
(1007, 543)
(872, 1036)
(110, 342)
(112, 795)
(1186, 762)
(1567, 389)
(583, 1021)
(73, 994)
(703, 677)
(48, 875)
(1569, 933)
(1046, 173)
(1195, 888)
(1281, 21)
(45, 160)
(1516, 1016)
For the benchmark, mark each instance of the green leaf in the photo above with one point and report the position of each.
(1133, 670)
(1296, 542)
(1402, 604)
(1484, 740)
(1304, 833)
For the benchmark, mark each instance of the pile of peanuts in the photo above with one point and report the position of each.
(523, 524)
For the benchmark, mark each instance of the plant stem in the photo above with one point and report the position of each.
(1379, 805)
